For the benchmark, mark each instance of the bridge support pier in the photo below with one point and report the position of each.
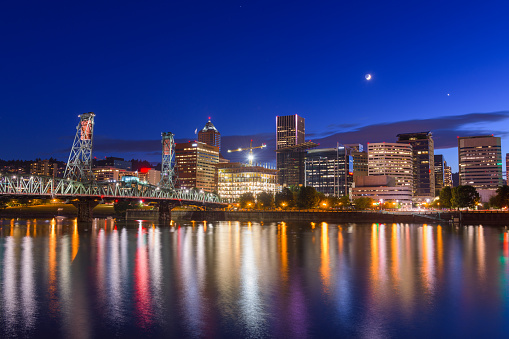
(85, 207)
(165, 208)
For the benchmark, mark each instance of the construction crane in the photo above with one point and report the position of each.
(250, 149)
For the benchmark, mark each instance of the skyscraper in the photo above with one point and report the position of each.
(391, 159)
(210, 135)
(507, 168)
(439, 172)
(290, 131)
(447, 175)
(424, 163)
(291, 149)
(360, 159)
(480, 161)
(329, 170)
(195, 162)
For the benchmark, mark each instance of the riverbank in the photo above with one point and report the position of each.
(429, 217)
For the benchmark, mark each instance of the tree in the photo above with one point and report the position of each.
(284, 198)
(363, 203)
(445, 197)
(344, 202)
(265, 200)
(501, 199)
(247, 200)
(464, 196)
(308, 197)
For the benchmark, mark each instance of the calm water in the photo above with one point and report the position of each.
(235, 279)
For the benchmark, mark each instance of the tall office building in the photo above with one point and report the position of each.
(391, 159)
(439, 172)
(360, 159)
(290, 131)
(196, 165)
(480, 161)
(291, 149)
(210, 135)
(447, 175)
(507, 168)
(329, 171)
(424, 163)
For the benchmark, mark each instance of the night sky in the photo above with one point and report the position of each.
(150, 67)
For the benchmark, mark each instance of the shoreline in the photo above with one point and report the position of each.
(427, 217)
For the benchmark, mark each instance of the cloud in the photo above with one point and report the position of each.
(445, 130)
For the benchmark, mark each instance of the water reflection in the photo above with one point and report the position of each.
(203, 279)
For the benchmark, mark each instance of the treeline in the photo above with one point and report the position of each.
(292, 197)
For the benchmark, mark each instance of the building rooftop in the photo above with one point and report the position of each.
(209, 126)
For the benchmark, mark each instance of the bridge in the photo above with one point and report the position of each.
(78, 187)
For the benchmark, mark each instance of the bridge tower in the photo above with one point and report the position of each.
(168, 161)
(167, 174)
(79, 165)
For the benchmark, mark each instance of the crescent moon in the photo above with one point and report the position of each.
(368, 76)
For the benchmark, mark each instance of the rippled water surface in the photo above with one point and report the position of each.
(236, 279)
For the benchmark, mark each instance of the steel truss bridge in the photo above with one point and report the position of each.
(80, 189)
(86, 196)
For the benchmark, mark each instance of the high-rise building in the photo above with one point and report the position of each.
(391, 159)
(480, 161)
(210, 135)
(439, 172)
(447, 175)
(424, 162)
(291, 149)
(195, 163)
(507, 168)
(360, 159)
(290, 131)
(235, 179)
(329, 171)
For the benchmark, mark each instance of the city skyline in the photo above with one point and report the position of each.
(168, 67)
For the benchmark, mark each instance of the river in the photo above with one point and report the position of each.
(239, 279)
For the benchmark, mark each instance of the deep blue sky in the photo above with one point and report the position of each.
(148, 67)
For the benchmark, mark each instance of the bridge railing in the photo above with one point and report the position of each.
(33, 185)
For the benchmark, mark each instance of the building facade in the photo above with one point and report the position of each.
(290, 132)
(507, 168)
(107, 173)
(391, 159)
(329, 171)
(439, 172)
(360, 159)
(113, 162)
(45, 168)
(196, 165)
(210, 135)
(150, 175)
(423, 150)
(235, 179)
(447, 175)
(480, 161)
(382, 188)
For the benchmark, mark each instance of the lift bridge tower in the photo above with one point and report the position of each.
(168, 176)
(79, 165)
